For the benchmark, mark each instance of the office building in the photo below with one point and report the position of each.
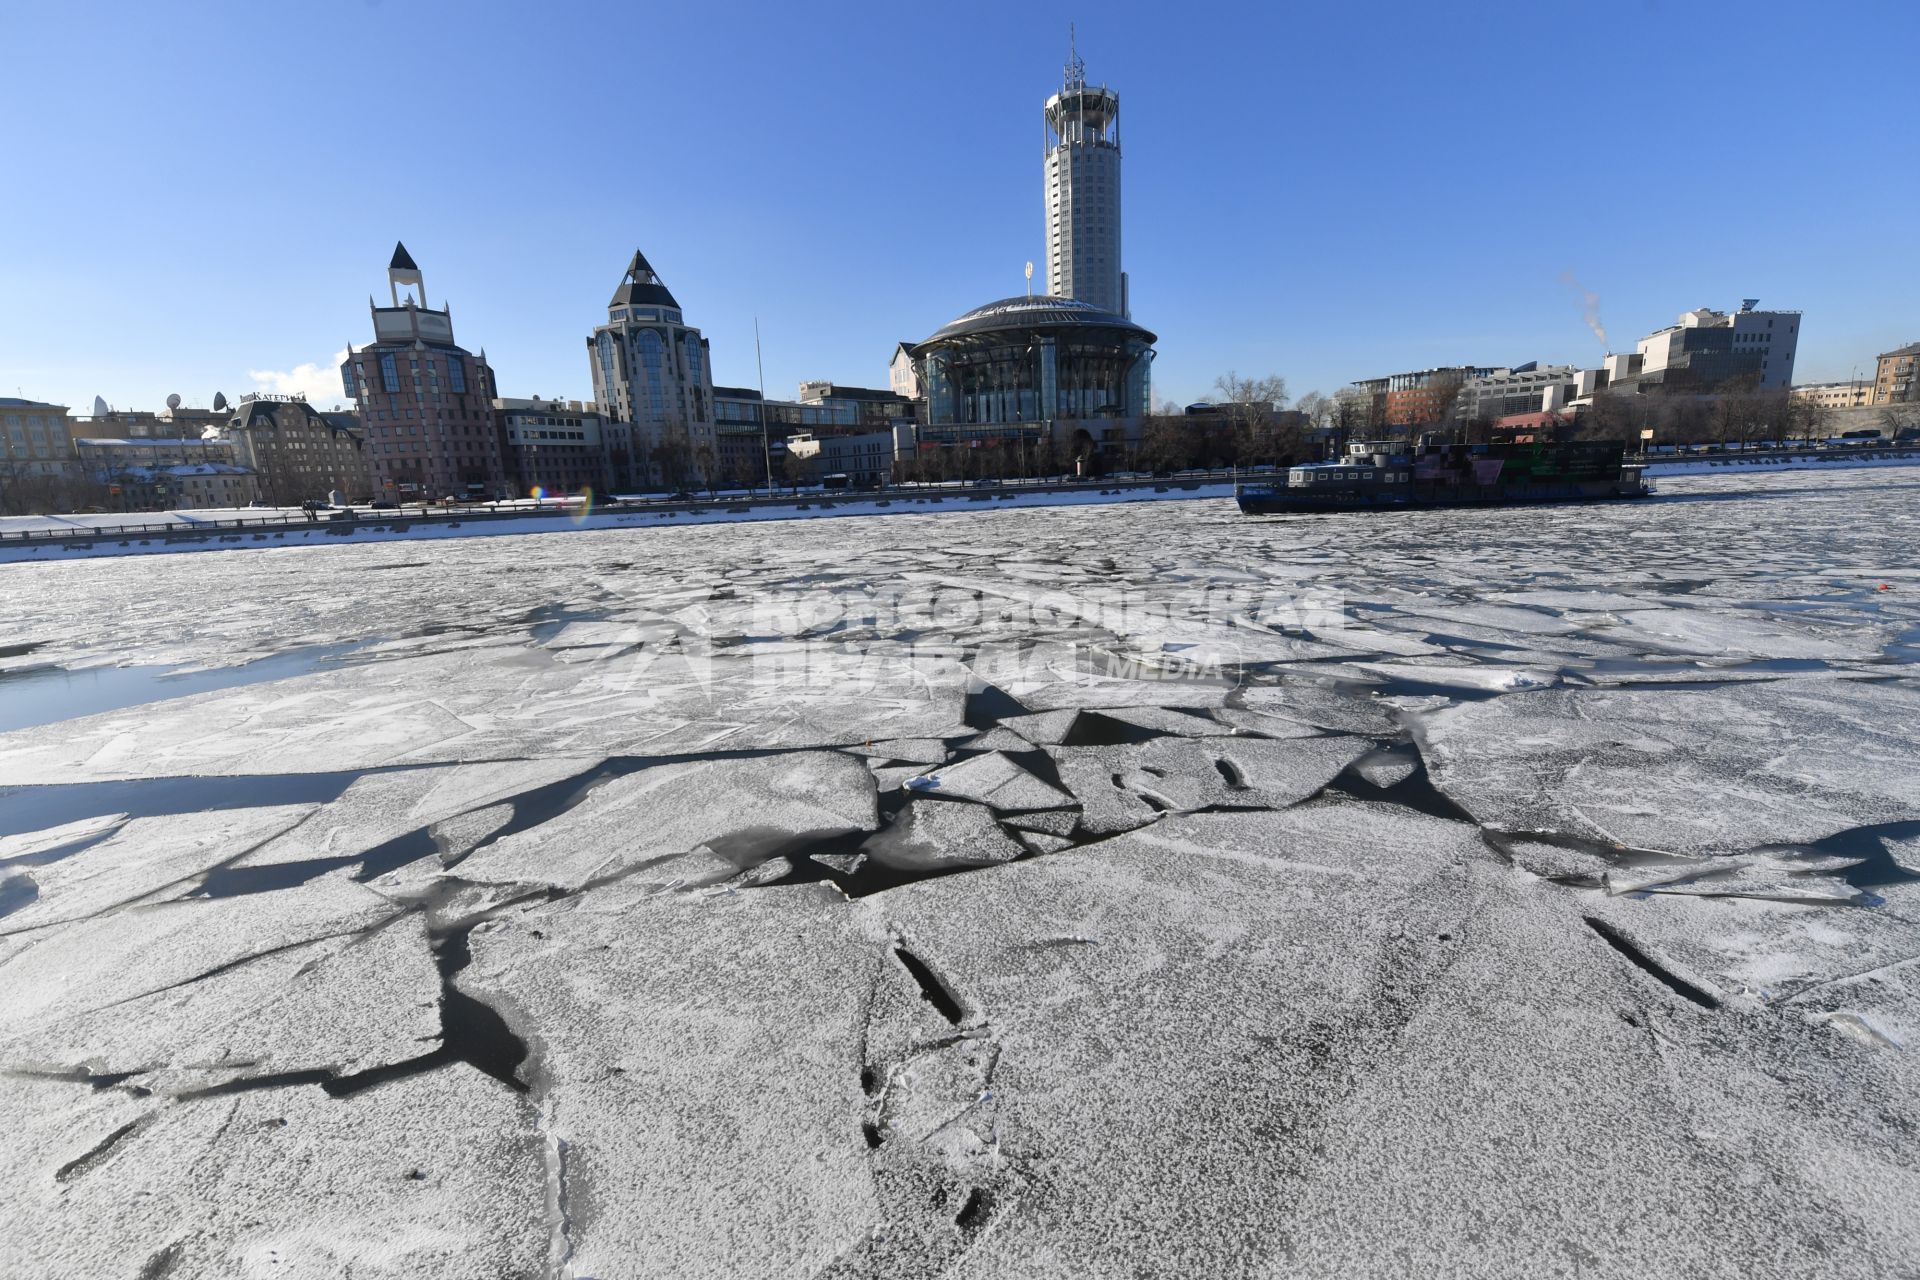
(1711, 352)
(864, 458)
(1419, 397)
(556, 446)
(1524, 389)
(653, 381)
(1082, 191)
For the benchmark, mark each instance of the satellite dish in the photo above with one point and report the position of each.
(100, 407)
(219, 401)
(173, 401)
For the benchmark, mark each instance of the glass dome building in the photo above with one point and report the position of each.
(1035, 360)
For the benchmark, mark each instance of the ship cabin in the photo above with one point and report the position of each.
(1368, 465)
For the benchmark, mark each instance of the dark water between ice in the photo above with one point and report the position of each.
(50, 696)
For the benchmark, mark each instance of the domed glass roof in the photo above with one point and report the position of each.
(1039, 312)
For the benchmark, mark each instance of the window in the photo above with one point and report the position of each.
(456, 375)
(389, 373)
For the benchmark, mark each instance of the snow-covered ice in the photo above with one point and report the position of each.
(1097, 890)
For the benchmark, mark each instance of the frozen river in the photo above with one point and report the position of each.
(1098, 891)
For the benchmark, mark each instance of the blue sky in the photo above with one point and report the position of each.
(203, 196)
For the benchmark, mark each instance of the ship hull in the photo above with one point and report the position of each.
(1264, 501)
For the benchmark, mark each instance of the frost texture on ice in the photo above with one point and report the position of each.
(1074, 892)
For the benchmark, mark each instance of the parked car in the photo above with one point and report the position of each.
(383, 504)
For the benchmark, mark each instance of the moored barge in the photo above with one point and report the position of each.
(1390, 477)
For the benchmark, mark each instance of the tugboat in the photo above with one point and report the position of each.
(1386, 476)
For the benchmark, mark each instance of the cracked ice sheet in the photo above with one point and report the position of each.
(675, 808)
(1743, 633)
(1722, 1144)
(158, 856)
(992, 779)
(1183, 774)
(713, 1128)
(495, 704)
(1154, 1079)
(1788, 761)
(929, 834)
(437, 1176)
(90, 964)
(342, 1004)
(1775, 952)
(380, 807)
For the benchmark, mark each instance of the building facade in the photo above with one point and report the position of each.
(556, 446)
(1526, 389)
(1712, 351)
(1082, 191)
(1835, 395)
(1896, 376)
(1034, 360)
(297, 454)
(865, 458)
(654, 383)
(903, 376)
(426, 403)
(37, 466)
(1419, 396)
(752, 434)
(166, 473)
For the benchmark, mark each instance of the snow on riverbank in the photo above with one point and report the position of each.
(1736, 464)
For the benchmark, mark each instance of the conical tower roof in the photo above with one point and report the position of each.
(402, 260)
(641, 287)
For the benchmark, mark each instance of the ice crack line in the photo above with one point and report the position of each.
(559, 1219)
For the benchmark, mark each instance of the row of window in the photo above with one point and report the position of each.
(1391, 477)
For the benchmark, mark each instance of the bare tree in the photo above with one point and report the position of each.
(1250, 406)
(1268, 394)
(1352, 412)
(1167, 442)
(796, 470)
(1317, 410)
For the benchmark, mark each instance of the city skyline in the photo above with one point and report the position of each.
(1327, 242)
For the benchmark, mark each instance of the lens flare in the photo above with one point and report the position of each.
(539, 494)
(585, 508)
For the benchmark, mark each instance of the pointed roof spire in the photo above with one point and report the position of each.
(640, 286)
(402, 260)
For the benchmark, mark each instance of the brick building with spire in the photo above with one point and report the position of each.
(426, 403)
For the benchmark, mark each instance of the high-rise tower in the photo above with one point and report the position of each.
(653, 380)
(1083, 192)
